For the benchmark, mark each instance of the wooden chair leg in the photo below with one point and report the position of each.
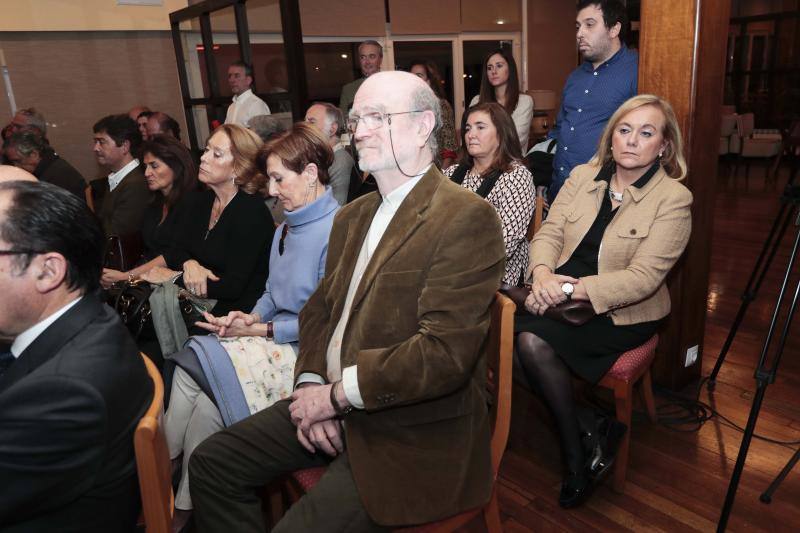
(491, 513)
(623, 398)
(647, 396)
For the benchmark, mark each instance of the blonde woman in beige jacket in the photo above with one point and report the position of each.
(614, 231)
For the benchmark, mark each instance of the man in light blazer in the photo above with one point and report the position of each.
(73, 386)
(391, 375)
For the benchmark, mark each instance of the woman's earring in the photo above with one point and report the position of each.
(660, 154)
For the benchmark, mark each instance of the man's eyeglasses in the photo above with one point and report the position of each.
(373, 121)
(20, 252)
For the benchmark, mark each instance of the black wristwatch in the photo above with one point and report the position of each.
(337, 408)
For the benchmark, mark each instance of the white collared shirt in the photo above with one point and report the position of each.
(115, 178)
(27, 337)
(244, 107)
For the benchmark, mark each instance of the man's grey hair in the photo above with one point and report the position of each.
(267, 126)
(423, 99)
(27, 142)
(334, 116)
(34, 119)
(373, 43)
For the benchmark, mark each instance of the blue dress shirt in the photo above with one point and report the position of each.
(590, 97)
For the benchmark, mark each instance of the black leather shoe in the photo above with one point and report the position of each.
(576, 489)
(611, 433)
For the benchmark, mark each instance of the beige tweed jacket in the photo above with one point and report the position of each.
(639, 247)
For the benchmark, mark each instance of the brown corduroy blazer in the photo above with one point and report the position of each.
(419, 451)
(639, 247)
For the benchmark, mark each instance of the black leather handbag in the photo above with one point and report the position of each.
(572, 312)
(131, 299)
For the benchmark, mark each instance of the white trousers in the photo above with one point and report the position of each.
(191, 418)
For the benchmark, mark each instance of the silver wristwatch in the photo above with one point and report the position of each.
(568, 289)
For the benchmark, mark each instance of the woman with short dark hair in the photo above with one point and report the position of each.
(491, 165)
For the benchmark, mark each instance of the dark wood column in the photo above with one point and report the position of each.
(682, 58)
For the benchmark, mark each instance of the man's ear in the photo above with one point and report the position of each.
(126, 146)
(426, 124)
(50, 271)
(615, 29)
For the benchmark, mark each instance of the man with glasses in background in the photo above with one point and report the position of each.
(73, 385)
(391, 371)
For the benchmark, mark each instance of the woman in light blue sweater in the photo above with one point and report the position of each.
(261, 346)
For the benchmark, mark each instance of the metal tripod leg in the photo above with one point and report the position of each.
(765, 375)
(766, 497)
(760, 270)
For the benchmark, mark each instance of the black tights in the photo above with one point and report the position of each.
(549, 376)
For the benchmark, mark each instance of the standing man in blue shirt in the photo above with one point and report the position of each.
(606, 78)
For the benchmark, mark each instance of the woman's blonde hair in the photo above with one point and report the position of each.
(672, 159)
(244, 149)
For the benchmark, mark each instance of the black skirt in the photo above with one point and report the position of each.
(589, 350)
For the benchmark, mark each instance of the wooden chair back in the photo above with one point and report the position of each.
(152, 460)
(499, 359)
(538, 215)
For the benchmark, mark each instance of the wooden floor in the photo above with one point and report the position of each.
(678, 481)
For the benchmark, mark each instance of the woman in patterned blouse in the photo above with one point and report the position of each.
(490, 164)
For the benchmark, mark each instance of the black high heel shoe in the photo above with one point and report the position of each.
(576, 489)
(610, 433)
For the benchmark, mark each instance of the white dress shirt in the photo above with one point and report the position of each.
(115, 178)
(244, 107)
(383, 216)
(27, 337)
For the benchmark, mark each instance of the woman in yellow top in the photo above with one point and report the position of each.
(613, 233)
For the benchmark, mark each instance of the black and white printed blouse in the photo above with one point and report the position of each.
(513, 197)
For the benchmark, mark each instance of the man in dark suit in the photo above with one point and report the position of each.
(390, 376)
(73, 387)
(124, 196)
